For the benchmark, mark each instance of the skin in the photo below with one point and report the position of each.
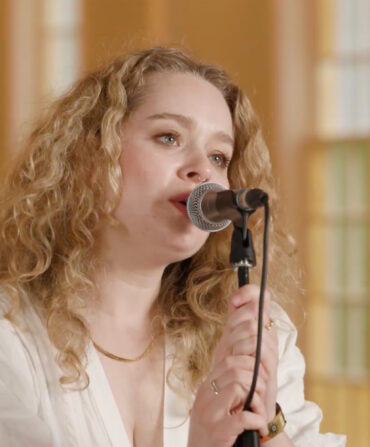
(180, 134)
(218, 419)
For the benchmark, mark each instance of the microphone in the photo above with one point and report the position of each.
(211, 207)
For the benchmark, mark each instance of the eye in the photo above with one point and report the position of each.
(168, 138)
(220, 160)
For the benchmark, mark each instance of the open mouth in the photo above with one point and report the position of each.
(180, 206)
(179, 202)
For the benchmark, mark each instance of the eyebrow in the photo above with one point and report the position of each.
(187, 122)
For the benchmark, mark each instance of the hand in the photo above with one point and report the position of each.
(243, 339)
(217, 419)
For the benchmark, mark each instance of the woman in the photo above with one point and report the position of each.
(122, 323)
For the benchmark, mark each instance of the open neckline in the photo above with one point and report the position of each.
(105, 401)
(174, 417)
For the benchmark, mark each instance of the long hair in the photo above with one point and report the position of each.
(66, 183)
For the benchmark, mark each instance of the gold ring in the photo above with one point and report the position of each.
(214, 387)
(270, 324)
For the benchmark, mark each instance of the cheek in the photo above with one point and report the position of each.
(137, 170)
(222, 179)
(135, 174)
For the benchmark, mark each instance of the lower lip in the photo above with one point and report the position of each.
(181, 207)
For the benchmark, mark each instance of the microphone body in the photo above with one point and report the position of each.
(212, 207)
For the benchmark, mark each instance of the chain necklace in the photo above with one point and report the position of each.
(123, 359)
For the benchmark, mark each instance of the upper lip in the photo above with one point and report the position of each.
(182, 197)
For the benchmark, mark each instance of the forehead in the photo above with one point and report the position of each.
(187, 94)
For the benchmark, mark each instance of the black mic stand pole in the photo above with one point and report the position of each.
(242, 258)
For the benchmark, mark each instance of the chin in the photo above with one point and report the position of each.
(183, 249)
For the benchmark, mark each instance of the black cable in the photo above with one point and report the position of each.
(260, 306)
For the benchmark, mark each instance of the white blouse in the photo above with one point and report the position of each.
(35, 411)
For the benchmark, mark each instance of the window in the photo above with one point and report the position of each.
(61, 43)
(343, 68)
(45, 55)
(338, 231)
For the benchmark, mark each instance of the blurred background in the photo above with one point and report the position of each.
(306, 67)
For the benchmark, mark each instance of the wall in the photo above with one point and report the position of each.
(4, 81)
(235, 34)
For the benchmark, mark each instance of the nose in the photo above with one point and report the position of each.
(197, 169)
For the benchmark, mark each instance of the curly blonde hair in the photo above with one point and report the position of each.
(52, 207)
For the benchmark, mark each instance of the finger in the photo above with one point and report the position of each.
(248, 311)
(243, 330)
(242, 356)
(229, 398)
(247, 332)
(258, 405)
(243, 320)
(241, 377)
(269, 355)
(245, 346)
(228, 404)
(248, 296)
(248, 328)
(222, 350)
(244, 295)
(246, 420)
(245, 313)
(268, 359)
(233, 361)
(248, 293)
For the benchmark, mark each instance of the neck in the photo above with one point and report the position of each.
(123, 317)
(127, 283)
(128, 294)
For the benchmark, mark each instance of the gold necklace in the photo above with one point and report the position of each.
(123, 359)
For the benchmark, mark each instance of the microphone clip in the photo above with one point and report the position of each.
(242, 252)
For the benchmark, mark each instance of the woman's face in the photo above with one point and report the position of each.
(180, 134)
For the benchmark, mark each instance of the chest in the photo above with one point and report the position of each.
(138, 390)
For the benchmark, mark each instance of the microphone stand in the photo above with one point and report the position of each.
(219, 209)
(242, 258)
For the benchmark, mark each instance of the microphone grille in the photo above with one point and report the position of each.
(194, 208)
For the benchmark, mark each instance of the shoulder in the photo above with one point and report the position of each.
(20, 356)
(23, 419)
(303, 417)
